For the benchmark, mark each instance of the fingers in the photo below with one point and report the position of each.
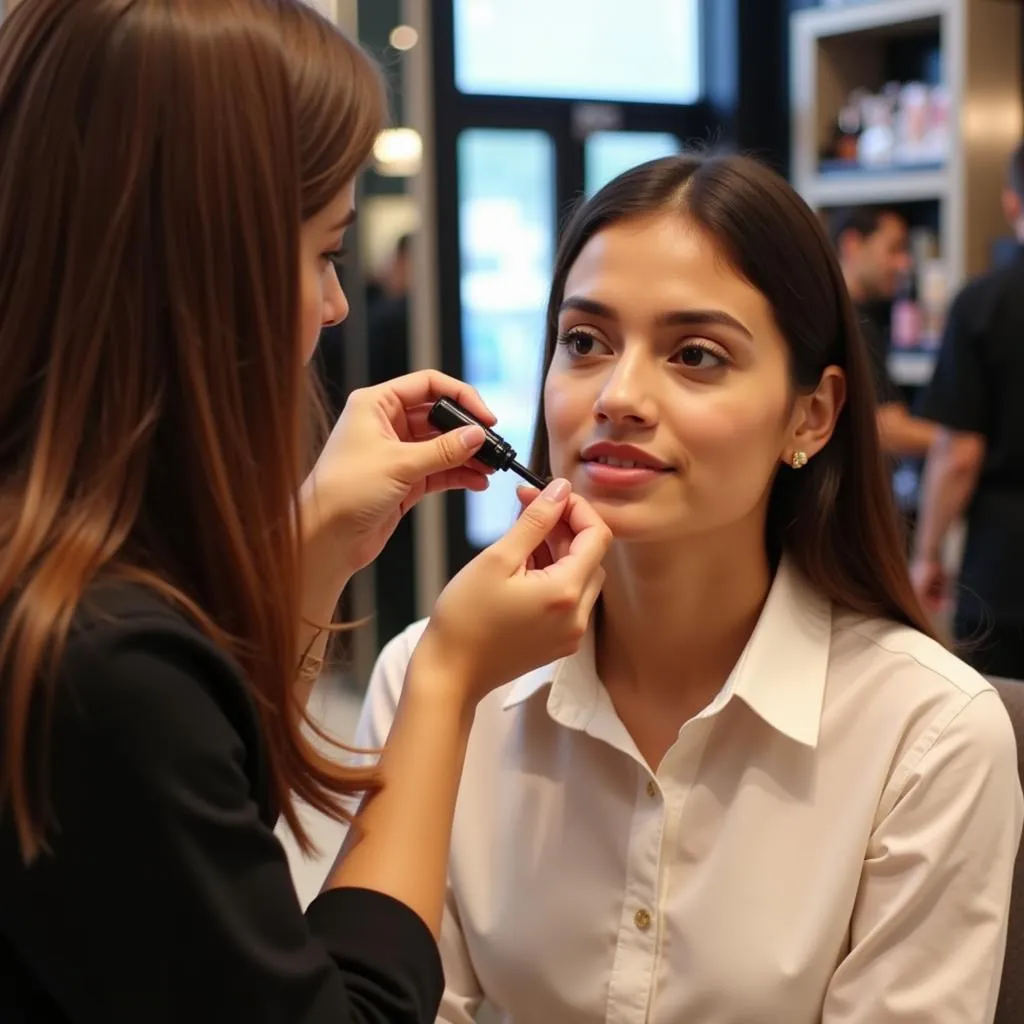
(424, 459)
(464, 478)
(578, 516)
(534, 526)
(427, 386)
(579, 513)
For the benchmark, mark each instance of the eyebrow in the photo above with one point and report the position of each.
(676, 318)
(346, 222)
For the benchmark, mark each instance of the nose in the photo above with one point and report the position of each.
(336, 307)
(627, 397)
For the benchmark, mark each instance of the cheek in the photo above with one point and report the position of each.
(310, 311)
(568, 412)
(735, 434)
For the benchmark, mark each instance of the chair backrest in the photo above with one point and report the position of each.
(1010, 1009)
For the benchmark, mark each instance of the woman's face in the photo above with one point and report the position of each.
(322, 300)
(668, 403)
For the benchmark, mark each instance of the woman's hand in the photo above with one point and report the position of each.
(513, 609)
(382, 457)
(931, 583)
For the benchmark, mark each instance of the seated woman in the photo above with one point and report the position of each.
(762, 790)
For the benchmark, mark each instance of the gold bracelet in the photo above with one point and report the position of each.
(310, 665)
(310, 668)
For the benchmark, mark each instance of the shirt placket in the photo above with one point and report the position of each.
(658, 807)
(636, 953)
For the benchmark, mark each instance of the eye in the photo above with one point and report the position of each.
(336, 257)
(580, 344)
(700, 355)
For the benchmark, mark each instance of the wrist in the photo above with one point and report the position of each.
(439, 680)
(325, 549)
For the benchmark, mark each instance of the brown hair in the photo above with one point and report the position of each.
(159, 159)
(836, 517)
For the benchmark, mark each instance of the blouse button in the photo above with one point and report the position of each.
(642, 919)
(652, 789)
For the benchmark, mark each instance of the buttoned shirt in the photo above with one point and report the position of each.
(830, 840)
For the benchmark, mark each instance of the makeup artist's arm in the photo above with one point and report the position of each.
(381, 458)
(463, 993)
(497, 619)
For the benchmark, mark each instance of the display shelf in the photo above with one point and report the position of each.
(861, 187)
(837, 49)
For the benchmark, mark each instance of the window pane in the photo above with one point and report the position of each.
(608, 154)
(506, 243)
(618, 50)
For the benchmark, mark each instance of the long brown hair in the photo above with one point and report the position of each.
(159, 158)
(836, 517)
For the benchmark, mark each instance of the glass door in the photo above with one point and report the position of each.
(606, 155)
(506, 207)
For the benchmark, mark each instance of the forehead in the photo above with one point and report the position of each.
(664, 262)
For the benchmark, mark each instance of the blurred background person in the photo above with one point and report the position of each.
(976, 467)
(872, 242)
(387, 297)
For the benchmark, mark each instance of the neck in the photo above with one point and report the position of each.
(675, 617)
(1018, 230)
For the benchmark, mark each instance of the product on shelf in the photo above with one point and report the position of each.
(904, 125)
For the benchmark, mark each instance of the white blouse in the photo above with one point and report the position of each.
(831, 840)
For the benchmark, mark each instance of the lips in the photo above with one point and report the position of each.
(623, 456)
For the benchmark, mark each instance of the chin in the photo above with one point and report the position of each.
(635, 521)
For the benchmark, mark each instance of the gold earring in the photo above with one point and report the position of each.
(799, 460)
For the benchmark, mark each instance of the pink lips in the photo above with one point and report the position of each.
(621, 465)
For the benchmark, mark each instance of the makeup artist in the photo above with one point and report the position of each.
(165, 569)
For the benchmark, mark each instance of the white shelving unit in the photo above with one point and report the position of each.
(836, 49)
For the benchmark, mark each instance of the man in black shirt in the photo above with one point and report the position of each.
(871, 242)
(976, 466)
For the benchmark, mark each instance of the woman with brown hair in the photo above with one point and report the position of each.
(761, 791)
(177, 179)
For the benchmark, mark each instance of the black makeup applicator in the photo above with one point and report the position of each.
(446, 414)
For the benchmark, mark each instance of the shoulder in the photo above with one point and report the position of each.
(926, 694)
(980, 297)
(138, 676)
(385, 690)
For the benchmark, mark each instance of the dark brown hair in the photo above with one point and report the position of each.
(159, 158)
(836, 517)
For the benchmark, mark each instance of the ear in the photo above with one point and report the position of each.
(1013, 209)
(849, 245)
(814, 415)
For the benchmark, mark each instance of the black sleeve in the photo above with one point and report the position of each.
(166, 898)
(958, 395)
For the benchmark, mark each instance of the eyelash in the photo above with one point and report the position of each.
(337, 257)
(567, 338)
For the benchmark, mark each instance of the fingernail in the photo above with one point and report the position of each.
(472, 437)
(557, 490)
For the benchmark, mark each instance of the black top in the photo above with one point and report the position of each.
(167, 896)
(978, 387)
(875, 335)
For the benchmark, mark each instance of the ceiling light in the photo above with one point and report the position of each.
(404, 37)
(398, 153)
